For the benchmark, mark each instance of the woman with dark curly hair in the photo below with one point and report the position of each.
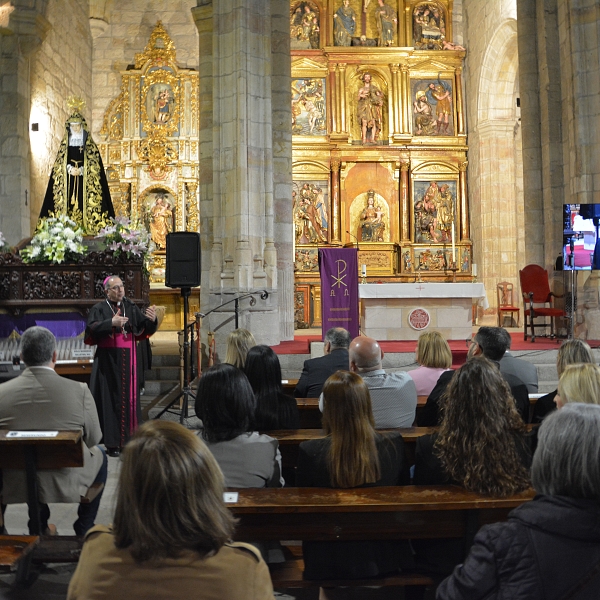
(482, 445)
(274, 409)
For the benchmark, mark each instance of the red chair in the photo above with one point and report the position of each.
(536, 290)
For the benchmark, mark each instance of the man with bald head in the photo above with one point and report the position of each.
(393, 395)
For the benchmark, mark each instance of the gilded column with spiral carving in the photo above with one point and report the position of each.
(191, 207)
(464, 209)
(335, 200)
(404, 203)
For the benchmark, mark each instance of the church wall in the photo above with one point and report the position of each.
(61, 68)
(14, 151)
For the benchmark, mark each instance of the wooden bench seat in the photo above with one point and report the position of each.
(290, 439)
(376, 513)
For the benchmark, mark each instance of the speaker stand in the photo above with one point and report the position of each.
(186, 391)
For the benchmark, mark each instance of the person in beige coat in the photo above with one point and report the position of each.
(172, 531)
(40, 399)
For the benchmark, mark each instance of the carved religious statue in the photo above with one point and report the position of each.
(369, 109)
(344, 24)
(371, 221)
(161, 221)
(78, 186)
(434, 214)
(387, 19)
(310, 215)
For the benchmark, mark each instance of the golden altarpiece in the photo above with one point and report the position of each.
(379, 142)
(150, 146)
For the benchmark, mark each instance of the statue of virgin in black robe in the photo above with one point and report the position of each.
(78, 186)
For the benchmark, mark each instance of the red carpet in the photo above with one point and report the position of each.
(301, 345)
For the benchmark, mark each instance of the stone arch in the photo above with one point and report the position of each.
(499, 75)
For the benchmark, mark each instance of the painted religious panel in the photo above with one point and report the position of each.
(308, 107)
(370, 217)
(157, 207)
(432, 107)
(429, 26)
(306, 260)
(311, 211)
(305, 28)
(432, 259)
(160, 102)
(434, 205)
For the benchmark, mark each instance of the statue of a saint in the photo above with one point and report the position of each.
(161, 221)
(371, 221)
(344, 24)
(387, 19)
(369, 109)
(78, 186)
(424, 121)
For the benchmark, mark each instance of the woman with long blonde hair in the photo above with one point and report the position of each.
(351, 455)
(579, 383)
(239, 341)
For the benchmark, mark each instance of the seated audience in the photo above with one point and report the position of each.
(239, 341)
(41, 399)
(225, 402)
(481, 445)
(352, 455)
(571, 352)
(274, 409)
(549, 549)
(579, 383)
(523, 369)
(434, 357)
(393, 395)
(316, 370)
(172, 533)
(490, 342)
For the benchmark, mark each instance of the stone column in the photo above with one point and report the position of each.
(243, 254)
(532, 155)
(282, 167)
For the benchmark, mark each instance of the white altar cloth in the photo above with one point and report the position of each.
(385, 308)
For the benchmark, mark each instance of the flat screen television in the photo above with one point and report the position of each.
(581, 247)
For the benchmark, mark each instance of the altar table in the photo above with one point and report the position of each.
(385, 309)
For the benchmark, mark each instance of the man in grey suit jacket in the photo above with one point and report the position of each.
(524, 370)
(317, 370)
(39, 399)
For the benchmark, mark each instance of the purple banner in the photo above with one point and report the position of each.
(339, 288)
(61, 324)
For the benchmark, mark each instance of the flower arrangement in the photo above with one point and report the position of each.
(56, 239)
(3, 246)
(124, 238)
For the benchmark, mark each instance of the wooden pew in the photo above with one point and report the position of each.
(376, 513)
(32, 454)
(290, 439)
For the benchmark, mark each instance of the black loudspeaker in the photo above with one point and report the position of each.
(183, 259)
